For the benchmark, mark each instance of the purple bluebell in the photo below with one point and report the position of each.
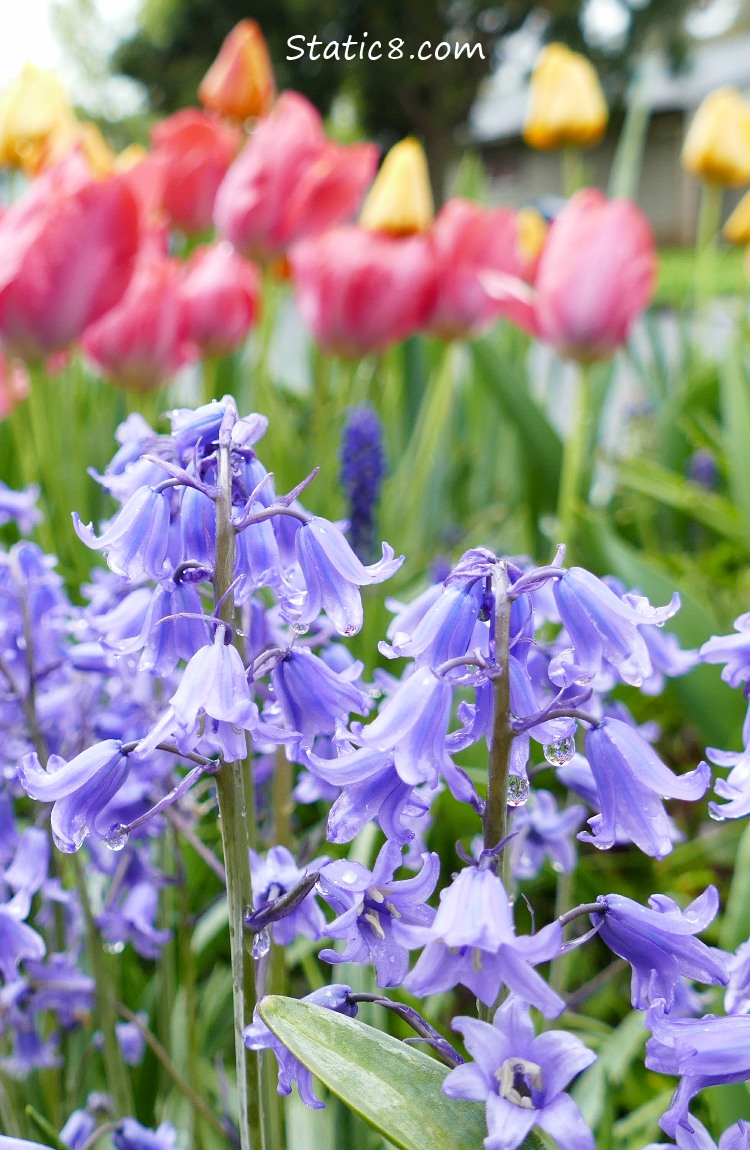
(737, 996)
(370, 789)
(19, 1144)
(631, 781)
(133, 919)
(145, 621)
(60, 986)
(29, 867)
(136, 541)
(19, 507)
(274, 876)
(445, 631)
(130, 1135)
(80, 789)
(659, 943)
(313, 698)
(363, 469)
(703, 1052)
(131, 1040)
(702, 469)
(77, 1130)
(600, 625)
(735, 1137)
(257, 1036)
(377, 915)
(333, 574)
(541, 830)
(735, 787)
(731, 650)
(473, 941)
(18, 941)
(521, 1077)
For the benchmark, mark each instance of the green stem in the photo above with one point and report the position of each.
(628, 162)
(187, 970)
(235, 816)
(709, 222)
(572, 170)
(574, 462)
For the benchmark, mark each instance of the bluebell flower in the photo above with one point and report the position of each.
(473, 941)
(274, 876)
(737, 996)
(19, 507)
(80, 789)
(130, 1135)
(703, 1052)
(446, 630)
(376, 915)
(522, 1078)
(131, 1040)
(735, 1137)
(659, 943)
(600, 625)
(137, 539)
(631, 781)
(363, 469)
(313, 698)
(731, 650)
(77, 1130)
(257, 1036)
(198, 527)
(735, 787)
(61, 987)
(333, 574)
(370, 789)
(133, 919)
(18, 942)
(541, 830)
(29, 867)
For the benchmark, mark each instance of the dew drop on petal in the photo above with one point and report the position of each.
(350, 630)
(560, 752)
(717, 818)
(299, 628)
(518, 791)
(117, 839)
(261, 944)
(116, 947)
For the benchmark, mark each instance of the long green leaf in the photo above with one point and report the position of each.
(735, 410)
(393, 1087)
(648, 478)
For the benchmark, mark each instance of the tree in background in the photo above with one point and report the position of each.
(177, 40)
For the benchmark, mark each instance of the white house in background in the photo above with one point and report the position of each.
(518, 174)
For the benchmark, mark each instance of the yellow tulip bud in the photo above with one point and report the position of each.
(532, 232)
(737, 228)
(567, 105)
(400, 199)
(240, 82)
(32, 109)
(717, 146)
(87, 138)
(129, 157)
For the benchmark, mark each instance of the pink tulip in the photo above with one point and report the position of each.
(469, 241)
(193, 150)
(67, 252)
(290, 181)
(359, 291)
(14, 385)
(596, 274)
(145, 339)
(221, 291)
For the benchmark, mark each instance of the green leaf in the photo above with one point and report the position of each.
(657, 482)
(735, 924)
(735, 410)
(394, 1087)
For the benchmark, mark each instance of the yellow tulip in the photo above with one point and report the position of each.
(717, 146)
(32, 110)
(400, 199)
(84, 136)
(240, 82)
(567, 105)
(532, 232)
(737, 228)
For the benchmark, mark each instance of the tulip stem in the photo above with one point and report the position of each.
(709, 222)
(574, 461)
(235, 816)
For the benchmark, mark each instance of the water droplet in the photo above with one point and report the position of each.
(350, 630)
(116, 947)
(261, 944)
(117, 839)
(299, 628)
(349, 876)
(714, 814)
(560, 752)
(518, 790)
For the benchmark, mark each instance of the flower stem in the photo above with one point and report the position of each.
(574, 462)
(496, 813)
(235, 814)
(709, 221)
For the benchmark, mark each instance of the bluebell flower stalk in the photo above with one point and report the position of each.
(362, 472)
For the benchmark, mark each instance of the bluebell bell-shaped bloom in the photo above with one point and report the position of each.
(735, 1137)
(473, 942)
(735, 787)
(60, 986)
(522, 1078)
(28, 871)
(333, 574)
(77, 1130)
(133, 919)
(131, 1040)
(313, 698)
(80, 789)
(541, 830)
(413, 726)
(631, 781)
(18, 942)
(376, 915)
(19, 507)
(600, 625)
(137, 540)
(20, 1144)
(445, 631)
(30, 1051)
(198, 527)
(737, 996)
(731, 650)
(145, 621)
(659, 943)
(257, 1036)
(274, 876)
(703, 1052)
(130, 1135)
